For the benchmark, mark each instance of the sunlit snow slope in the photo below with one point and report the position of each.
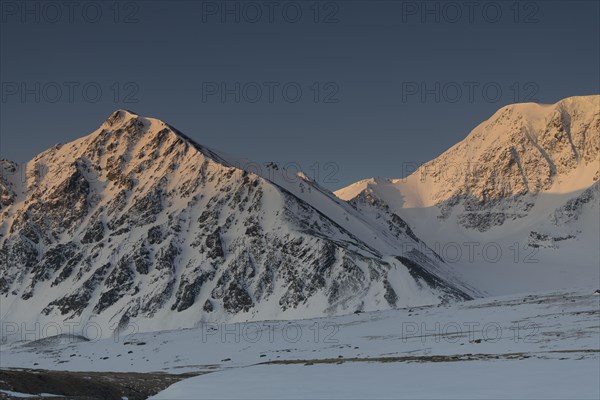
(137, 223)
(514, 206)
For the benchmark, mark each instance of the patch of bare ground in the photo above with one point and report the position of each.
(86, 385)
(431, 358)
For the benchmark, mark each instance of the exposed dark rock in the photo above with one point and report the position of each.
(236, 299)
(390, 294)
(208, 306)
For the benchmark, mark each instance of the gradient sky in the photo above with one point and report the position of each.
(168, 57)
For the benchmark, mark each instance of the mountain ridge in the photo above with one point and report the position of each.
(136, 222)
(509, 183)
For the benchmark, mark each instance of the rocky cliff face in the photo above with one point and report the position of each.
(136, 222)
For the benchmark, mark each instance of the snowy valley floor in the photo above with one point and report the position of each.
(542, 345)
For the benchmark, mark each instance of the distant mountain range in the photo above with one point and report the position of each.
(137, 222)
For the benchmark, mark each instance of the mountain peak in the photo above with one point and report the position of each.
(533, 113)
(523, 148)
(120, 116)
(137, 222)
(131, 121)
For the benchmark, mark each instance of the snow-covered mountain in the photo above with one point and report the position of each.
(514, 205)
(136, 222)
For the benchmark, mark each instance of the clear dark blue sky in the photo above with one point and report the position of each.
(382, 83)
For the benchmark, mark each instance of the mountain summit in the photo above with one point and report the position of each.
(137, 222)
(524, 183)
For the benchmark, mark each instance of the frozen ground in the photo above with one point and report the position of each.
(542, 345)
(532, 379)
